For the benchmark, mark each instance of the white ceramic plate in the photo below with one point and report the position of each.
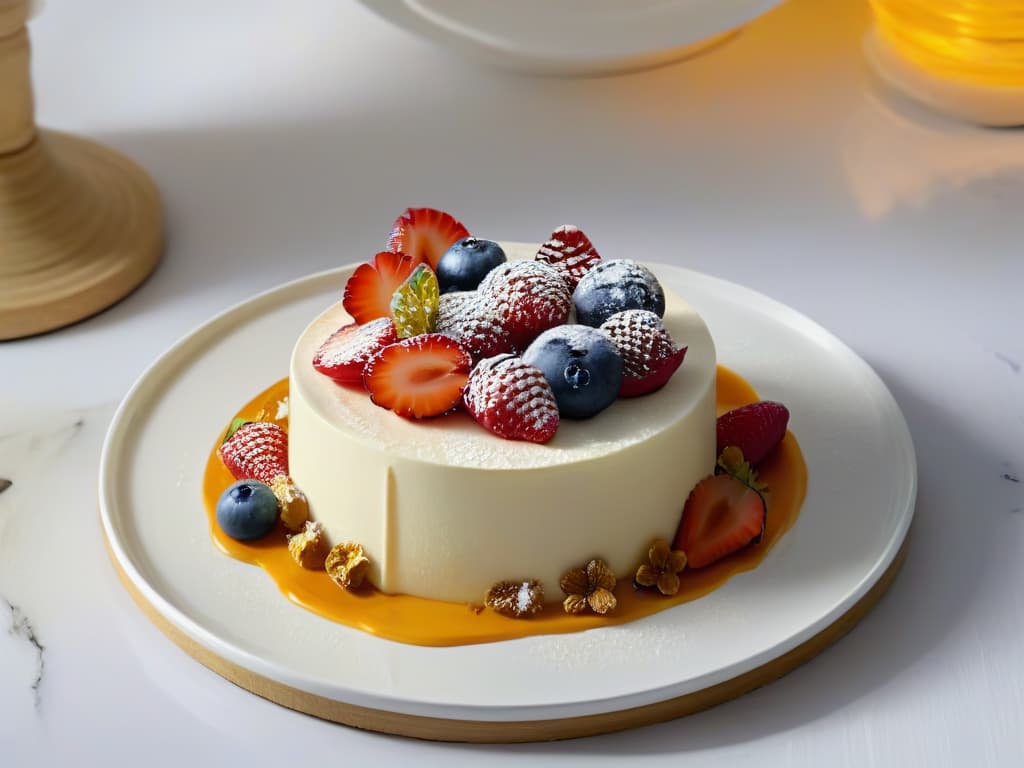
(859, 505)
(572, 36)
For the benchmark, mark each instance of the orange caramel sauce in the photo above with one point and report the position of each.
(420, 621)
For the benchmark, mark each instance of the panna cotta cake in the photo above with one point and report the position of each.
(445, 509)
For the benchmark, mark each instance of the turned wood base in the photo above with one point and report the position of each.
(80, 228)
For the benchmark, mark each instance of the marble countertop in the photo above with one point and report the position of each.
(285, 136)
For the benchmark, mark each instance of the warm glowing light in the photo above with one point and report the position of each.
(974, 41)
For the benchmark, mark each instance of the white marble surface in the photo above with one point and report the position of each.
(286, 135)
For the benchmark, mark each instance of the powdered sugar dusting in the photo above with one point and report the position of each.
(457, 440)
(282, 409)
(524, 598)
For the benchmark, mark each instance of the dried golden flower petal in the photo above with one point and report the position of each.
(591, 586)
(292, 501)
(347, 565)
(668, 583)
(600, 576)
(662, 568)
(646, 576)
(601, 600)
(308, 548)
(575, 604)
(515, 598)
(574, 582)
(676, 561)
(659, 554)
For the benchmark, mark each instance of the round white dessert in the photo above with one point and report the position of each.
(445, 509)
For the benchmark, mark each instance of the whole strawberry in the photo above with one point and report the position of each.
(649, 354)
(255, 450)
(512, 399)
(528, 297)
(755, 429)
(571, 252)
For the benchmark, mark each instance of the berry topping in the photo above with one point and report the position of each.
(582, 366)
(425, 234)
(512, 399)
(469, 319)
(418, 377)
(649, 355)
(368, 292)
(723, 514)
(255, 450)
(467, 262)
(755, 429)
(247, 510)
(571, 252)
(614, 286)
(345, 353)
(414, 304)
(528, 297)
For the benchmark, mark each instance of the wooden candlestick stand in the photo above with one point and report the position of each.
(80, 225)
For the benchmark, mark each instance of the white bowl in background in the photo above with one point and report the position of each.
(573, 37)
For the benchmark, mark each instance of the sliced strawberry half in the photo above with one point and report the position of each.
(418, 377)
(723, 514)
(346, 352)
(755, 429)
(368, 292)
(425, 234)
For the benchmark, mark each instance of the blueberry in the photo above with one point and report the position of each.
(615, 286)
(582, 366)
(464, 265)
(247, 510)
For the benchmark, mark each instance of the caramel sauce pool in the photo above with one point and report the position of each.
(421, 621)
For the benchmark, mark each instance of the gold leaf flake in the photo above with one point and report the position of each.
(347, 565)
(293, 503)
(308, 548)
(515, 598)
